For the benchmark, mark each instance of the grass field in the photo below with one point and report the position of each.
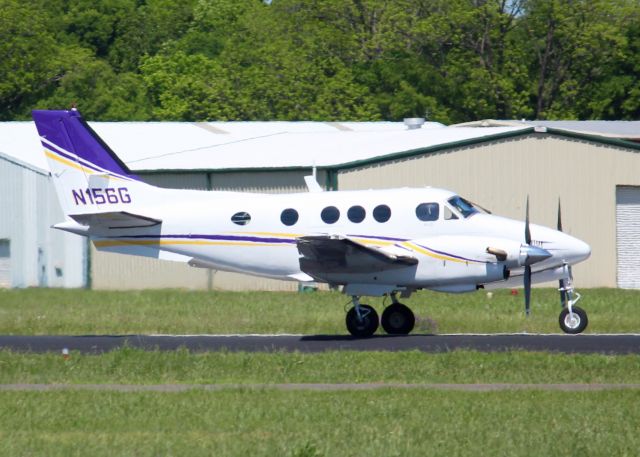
(275, 423)
(135, 366)
(50, 311)
(266, 421)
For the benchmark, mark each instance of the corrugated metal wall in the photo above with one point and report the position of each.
(40, 256)
(114, 271)
(499, 175)
(628, 236)
(274, 182)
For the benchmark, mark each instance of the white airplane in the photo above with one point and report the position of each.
(372, 243)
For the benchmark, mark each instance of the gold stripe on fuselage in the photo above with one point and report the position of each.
(429, 253)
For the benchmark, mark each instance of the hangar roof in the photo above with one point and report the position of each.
(19, 144)
(157, 146)
(629, 130)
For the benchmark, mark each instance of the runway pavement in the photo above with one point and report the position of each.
(590, 343)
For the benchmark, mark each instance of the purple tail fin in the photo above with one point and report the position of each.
(66, 134)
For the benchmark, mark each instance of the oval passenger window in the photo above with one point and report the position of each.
(241, 218)
(330, 214)
(356, 214)
(381, 213)
(289, 216)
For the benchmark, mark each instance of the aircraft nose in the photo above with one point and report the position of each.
(576, 250)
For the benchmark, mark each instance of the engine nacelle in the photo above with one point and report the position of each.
(461, 263)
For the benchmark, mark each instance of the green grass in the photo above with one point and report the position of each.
(134, 366)
(273, 423)
(50, 311)
(305, 423)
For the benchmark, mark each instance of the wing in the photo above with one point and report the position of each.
(321, 255)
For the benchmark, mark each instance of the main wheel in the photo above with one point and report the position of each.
(366, 325)
(398, 319)
(573, 324)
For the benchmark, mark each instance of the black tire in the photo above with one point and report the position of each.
(579, 323)
(398, 319)
(365, 327)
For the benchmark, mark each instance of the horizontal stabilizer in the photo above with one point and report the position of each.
(114, 220)
(325, 254)
(301, 277)
(141, 251)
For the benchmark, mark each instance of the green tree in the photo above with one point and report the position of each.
(99, 92)
(573, 46)
(146, 30)
(28, 51)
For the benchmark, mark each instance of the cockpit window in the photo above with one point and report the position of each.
(428, 211)
(462, 205)
(448, 214)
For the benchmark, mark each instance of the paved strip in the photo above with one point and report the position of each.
(604, 344)
(314, 387)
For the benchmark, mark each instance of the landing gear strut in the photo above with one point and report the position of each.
(397, 319)
(362, 320)
(573, 319)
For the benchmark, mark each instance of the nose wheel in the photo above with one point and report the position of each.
(574, 321)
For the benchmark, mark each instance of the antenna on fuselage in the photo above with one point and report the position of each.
(311, 181)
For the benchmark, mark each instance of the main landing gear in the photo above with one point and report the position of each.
(362, 320)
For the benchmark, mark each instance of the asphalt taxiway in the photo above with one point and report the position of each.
(589, 343)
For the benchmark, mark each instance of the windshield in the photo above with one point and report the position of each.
(463, 206)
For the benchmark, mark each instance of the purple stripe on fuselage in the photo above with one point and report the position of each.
(450, 255)
(253, 239)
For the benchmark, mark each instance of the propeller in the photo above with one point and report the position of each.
(527, 268)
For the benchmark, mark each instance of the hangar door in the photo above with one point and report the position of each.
(628, 236)
(5, 264)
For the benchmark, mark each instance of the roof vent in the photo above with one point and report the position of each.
(413, 123)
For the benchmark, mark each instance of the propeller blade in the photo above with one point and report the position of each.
(527, 290)
(527, 232)
(559, 217)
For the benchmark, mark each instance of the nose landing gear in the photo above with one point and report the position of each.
(573, 319)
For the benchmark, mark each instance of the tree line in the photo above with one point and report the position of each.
(447, 60)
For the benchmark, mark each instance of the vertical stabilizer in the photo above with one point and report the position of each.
(87, 174)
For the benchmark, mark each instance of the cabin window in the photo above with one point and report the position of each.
(241, 218)
(381, 213)
(289, 216)
(462, 205)
(330, 214)
(356, 214)
(428, 211)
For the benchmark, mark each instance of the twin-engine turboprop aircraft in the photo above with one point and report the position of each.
(373, 243)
